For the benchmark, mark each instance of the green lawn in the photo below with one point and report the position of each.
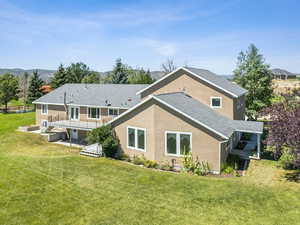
(43, 183)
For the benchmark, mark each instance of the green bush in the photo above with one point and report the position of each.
(110, 147)
(286, 160)
(228, 169)
(145, 162)
(99, 135)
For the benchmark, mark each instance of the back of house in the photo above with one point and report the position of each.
(188, 110)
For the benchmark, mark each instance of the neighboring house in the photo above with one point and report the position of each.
(189, 109)
(281, 74)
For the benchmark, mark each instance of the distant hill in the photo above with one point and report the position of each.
(44, 74)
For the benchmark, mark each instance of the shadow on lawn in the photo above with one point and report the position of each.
(293, 176)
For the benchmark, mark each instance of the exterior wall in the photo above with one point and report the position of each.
(54, 112)
(198, 89)
(57, 112)
(157, 119)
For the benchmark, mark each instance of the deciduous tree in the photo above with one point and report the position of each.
(8, 89)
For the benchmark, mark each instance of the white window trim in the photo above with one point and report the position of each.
(136, 138)
(87, 113)
(113, 109)
(216, 107)
(43, 122)
(78, 113)
(46, 113)
(177, 142)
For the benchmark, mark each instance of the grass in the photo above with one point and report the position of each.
(42, 183)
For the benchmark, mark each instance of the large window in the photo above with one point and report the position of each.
(45, 109)
(93, 113)
(113, 112)
(74, 113)
(136, 138)
(216, 102)
(178, 143)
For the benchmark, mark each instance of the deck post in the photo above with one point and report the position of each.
(258, 145)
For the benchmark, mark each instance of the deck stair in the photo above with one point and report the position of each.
(94, 150)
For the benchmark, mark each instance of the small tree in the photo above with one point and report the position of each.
(60, 77)
(119, 73)
(34, 90)
(104, 136)
(168, 66)
(253, 74)
(99, 135)
(8, 89)
(284, 129)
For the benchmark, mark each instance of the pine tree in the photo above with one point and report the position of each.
(34, 90)
(119, 73)
(253, 74)
(60, 77)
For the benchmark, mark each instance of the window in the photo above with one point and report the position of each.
(113, 112)
(177, 143)
(74, 113)
(44, 123)
(216, 102)
(45, 109)
(136, 138)
(93, 113)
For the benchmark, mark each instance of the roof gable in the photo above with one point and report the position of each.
(208, 77)
(200, 114)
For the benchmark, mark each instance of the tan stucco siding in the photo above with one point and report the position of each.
(196, 88)
(157, 119)
(140, 118)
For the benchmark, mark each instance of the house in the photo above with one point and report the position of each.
(188, 109)
(280, 74)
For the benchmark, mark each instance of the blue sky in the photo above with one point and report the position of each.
(205, 33)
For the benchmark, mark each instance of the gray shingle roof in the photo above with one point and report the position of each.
(117, 95)
(218, 81)
(207, 116)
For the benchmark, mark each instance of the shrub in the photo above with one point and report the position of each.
(110, 147)
(286, 160)
(99, 135)
(145, 162)
(197, 167)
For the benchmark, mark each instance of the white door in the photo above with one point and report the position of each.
(74, 134)
(74, 113)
